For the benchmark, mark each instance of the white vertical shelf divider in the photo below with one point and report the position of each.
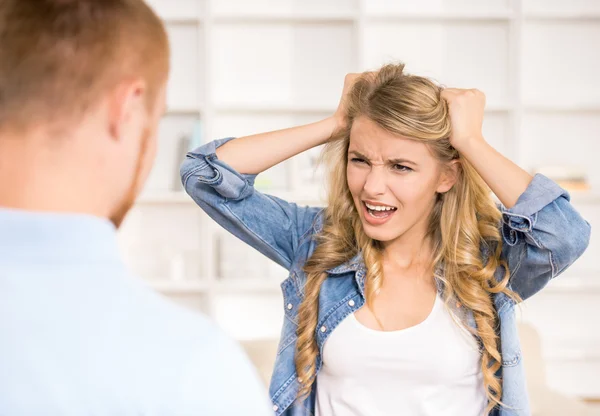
(515, 81)
(359, 24)
(209, 255)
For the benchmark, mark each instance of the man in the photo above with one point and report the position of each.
(82, 89)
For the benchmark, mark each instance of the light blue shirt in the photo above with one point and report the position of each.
(80, 336)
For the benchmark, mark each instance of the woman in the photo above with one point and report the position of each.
(401, 293)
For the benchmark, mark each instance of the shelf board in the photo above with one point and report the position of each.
(164, 197)
(440, 16)
(221, 286)
(498, 108)
(250, 286)
(309, 109)
(562, 348)
(584, 197)
(182, 287)
(303, 17)
(275, 108)
(592, 15)
(179, 197)
(563, 108)
(183, 20)
(564, 284)
(299, 17)
(581, 353)
(573, 281)
(176, 110)
(307, 196)
(312, 198)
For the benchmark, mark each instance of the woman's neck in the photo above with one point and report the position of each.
(408, 254)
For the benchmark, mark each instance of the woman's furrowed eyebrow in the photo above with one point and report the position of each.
(396, 161)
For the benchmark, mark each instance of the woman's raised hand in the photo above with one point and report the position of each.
(340, 113)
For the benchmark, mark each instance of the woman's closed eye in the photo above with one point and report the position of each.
(396, 166)
(402, 168)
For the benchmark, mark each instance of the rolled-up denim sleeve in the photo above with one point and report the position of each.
(271, 225)
(543, 235)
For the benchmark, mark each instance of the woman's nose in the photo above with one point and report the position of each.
(375, 183)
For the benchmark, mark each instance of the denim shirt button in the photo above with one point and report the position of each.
(275, 407)
(290, 306)
(351, 302)
(323, 328)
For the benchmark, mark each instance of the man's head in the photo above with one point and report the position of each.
(82, 88)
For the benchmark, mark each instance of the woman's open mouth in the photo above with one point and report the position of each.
(377, 213)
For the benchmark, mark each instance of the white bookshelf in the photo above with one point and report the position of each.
(242, 67)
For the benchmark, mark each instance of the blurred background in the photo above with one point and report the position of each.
(241, 67)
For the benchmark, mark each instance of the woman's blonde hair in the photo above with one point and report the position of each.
(464, 220)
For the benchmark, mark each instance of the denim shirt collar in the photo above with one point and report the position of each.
(352, 265)
(356, 264)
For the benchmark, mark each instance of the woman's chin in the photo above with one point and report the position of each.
(379, 233)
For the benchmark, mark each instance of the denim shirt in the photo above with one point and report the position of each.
(543, 234)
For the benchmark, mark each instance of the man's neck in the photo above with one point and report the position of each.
(35, 178)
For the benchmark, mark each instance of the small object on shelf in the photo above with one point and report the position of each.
(312, 169)
(186, 143)
(183, 144)
(273, 178)
(571, 178)
(235, 258)
(196, 139)
(263, 183)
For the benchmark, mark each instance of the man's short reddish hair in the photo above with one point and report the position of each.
(58, 57)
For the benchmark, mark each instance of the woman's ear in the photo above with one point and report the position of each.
(448, 177)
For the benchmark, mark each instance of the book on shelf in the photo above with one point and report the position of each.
(571, 178)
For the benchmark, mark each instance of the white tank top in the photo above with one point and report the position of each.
(429, 369)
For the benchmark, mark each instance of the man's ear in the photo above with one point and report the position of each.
(449, 176)
(125, 102)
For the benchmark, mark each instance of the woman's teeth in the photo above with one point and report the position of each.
(379, 211)
(380, 207)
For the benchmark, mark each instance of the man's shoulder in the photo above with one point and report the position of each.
(217, 375)
(173, 317)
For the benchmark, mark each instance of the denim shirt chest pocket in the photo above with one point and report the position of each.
(340, 295)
